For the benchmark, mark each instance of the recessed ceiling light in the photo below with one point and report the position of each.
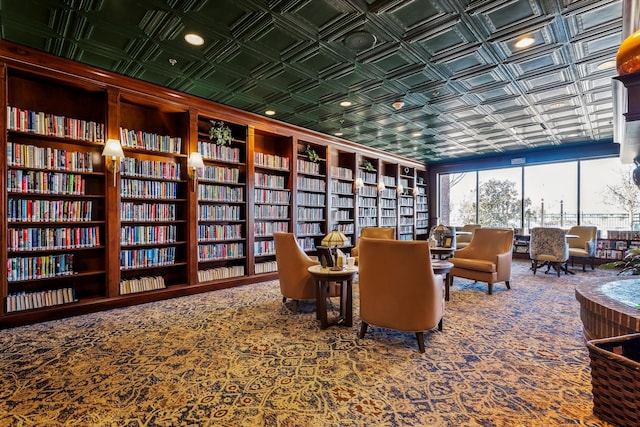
(194, 39)
(270, 113)
(397, 105)
(345, 104)
(607, 64)
(525, 41)
(416, 134)
(338, 134)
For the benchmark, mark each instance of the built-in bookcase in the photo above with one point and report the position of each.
(153, 197)
(311, 195)
(222, 204)
(406, 208)
(421, 206)
(271, 196)
(343, 200)
(55, 199)
(389, 195)
(367, 190)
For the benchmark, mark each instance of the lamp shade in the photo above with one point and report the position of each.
(113, 149)
(335, 239)
(359, 183)
(195, 160)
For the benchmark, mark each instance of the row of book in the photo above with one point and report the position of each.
(620, 245)
(212, 151)
(265, 229)
(310, 214)
(309, 229)
(405, 229)
(152, 257)
(34, 239)
(39, 267)
(269, 181)
(406, 201)
(266, 267)
(341, 215)
(308, 167)
(41, 182)
(34, 210)
(367, 212)
(310, 199)
(262, 212)
(219, 213)
(342, 202)
(146, 234)
(310, 184)
(220, 193)
(388, 193)
(368, 177)
(130, 211)
(367, 222)
(368, 191)
(19, 301)
(389, 181)
(346, 228)
(263, 195)
(339, 187)
(406, 221)
(406, 211)
(142, 284)
(609, 254)
(264, 248)
(271, 161)
(220, 273)
(307, 243)
(220, 174)
(148, 189)
(31, 156)
(150, 141)
(342, 173)
(219, 232)
(623, 234)
(220, 251)
(387, 222)
(41, 123)
(387, 203)
(131, 166)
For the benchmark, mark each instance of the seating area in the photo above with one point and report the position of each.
(398, 281)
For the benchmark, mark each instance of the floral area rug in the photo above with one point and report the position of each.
(238, 357)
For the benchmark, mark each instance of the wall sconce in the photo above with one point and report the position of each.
(113, 149)
(359, 184)
(193, 164)
(381, 187)
(416, 191)
(400, 189)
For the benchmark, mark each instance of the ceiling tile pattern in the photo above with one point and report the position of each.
(467, 89)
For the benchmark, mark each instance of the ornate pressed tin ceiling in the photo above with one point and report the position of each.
(466, 89)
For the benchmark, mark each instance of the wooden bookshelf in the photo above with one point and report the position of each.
(153, 230)
(406, 202)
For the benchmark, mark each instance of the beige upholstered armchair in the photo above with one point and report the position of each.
(583, 246)
(295, 281)
(398, 289)
(462, 240)
(548, 246)
(375, 233)
(487, 258)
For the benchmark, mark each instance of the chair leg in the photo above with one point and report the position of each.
(592, 266)
(363, 329)
(534, 265)
(490, 288)
(506, 282)
(420, 338)
(558, 268)
(440, 324)
(295, 306)
(584, 263)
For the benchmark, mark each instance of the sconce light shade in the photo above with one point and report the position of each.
(400, 189)
(195, 161)
(416, 191)
(113, 149)
(359, 183)
(381, 186)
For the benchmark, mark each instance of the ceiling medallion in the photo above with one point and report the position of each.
(360, 40)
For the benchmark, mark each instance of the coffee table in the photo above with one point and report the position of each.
(443, 267)
(324, 276)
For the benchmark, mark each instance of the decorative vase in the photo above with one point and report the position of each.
(628, 57)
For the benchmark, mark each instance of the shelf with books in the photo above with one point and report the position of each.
(222, 202)
(272, 201)
(367, 200)
(406, 208)
(388, 202)
(421, 206)
(55, 196)
(343, 193)
(311, 195)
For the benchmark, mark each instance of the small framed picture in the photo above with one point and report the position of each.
(447, 242)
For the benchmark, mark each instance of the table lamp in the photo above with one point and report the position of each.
(333, 240)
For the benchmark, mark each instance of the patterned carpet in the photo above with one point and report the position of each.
(237, 357)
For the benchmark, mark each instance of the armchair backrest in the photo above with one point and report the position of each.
(487, 243)
(293, 262)
(398, 289)
(374, 233)
(586, 239)
(548, 241)
(469, 228)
